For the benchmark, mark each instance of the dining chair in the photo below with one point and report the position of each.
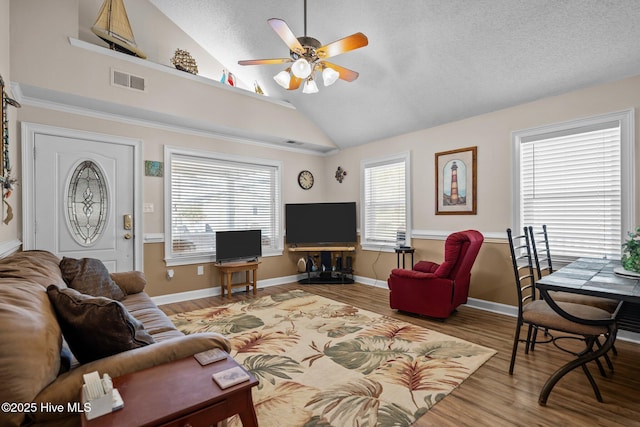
(544, 266)
(536, 313)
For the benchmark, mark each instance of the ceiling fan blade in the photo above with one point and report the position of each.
(287, 36)
(294, 83)
(345, 73)
(264, 61)
(352, 42)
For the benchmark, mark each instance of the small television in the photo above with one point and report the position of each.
(238, 245)
(321, 223)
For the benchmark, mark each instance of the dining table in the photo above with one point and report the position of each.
(596, 277)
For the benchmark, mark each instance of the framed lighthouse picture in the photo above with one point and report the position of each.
(456, 182)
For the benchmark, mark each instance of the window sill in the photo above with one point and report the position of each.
(202, 259)
(377, 248)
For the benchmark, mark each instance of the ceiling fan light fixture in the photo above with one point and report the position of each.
(301, 68)
(329, 76)
(310, 86)
(283, 78)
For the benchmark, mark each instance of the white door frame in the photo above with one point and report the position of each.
(29, 131)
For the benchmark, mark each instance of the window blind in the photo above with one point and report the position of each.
(384, 202)
(210, 194)
(571, 181)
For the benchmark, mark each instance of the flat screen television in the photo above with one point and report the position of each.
(321, 223)
(238, 245)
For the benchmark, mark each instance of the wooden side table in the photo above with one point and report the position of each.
(180, 393)
(227, 269)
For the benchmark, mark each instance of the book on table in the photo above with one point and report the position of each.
(210, 356)
(230, 377)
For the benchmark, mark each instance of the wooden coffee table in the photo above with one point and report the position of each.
(180, 393)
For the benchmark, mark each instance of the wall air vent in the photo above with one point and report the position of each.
(128, 81)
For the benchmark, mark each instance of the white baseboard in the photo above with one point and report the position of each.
(493, 307)
(215, 291)
(512, 311)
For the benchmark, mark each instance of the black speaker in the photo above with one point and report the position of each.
(338, 263)
(349, 264)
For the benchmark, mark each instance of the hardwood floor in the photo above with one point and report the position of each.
(491, 396)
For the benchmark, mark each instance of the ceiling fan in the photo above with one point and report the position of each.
(308, 56)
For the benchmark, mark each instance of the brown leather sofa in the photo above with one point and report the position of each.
(32, 382)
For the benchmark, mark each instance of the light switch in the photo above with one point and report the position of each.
(200, 270)
(148, 207)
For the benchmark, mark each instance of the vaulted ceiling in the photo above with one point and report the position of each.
(428, 62)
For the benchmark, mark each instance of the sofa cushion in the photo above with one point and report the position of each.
(96, 327)
(91, 277)
(144, 309)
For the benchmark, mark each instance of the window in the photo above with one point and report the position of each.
(385, 204)
(208, 192)
(577, 179)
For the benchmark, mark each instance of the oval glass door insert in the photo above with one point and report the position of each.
(87, 203)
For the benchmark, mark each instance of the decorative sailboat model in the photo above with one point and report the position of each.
(113, 27)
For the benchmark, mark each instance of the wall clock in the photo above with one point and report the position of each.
(305, 180)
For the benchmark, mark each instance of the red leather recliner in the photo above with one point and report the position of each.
(435, 290)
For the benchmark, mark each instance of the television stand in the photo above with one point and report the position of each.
(227, 269)
(339, 273)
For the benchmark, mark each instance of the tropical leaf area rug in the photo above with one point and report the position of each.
(324, 363)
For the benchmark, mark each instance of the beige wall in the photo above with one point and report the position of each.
(43, 57)
(154, 140)
(51, 62)
(491, 133)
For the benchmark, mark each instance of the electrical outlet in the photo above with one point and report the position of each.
(200, 270)
(169, 274)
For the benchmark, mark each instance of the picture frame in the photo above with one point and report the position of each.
(153, 168)
(456, 182)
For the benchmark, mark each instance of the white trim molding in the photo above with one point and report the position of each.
(215, 291)
(153, 237)
(493, 307)
(175, 72)
(489, 236)
(626, 118)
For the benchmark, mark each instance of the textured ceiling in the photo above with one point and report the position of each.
(428, 62)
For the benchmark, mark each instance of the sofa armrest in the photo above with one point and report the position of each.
(131, 282)
(66, 388)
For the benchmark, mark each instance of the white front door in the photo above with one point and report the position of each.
(84, 197)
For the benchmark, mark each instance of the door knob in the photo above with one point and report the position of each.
(127, 236)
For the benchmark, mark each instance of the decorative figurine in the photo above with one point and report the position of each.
(340, 174)
(257, 88)
(183, 61)
(112, 26)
